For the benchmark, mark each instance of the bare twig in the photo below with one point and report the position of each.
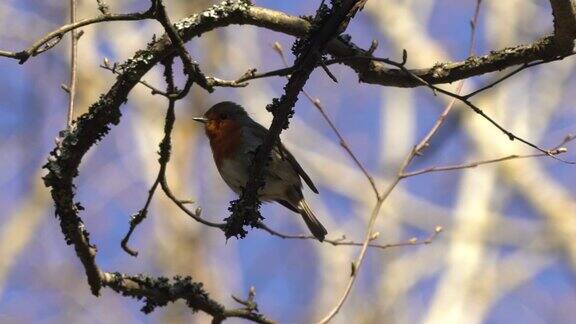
(479, 163)
(342, 241)
(53, 38)
(73, 64)
(113, 68)
(390, 188)
(465, 98)
(316, 102)
(191, 68)
(163, 160)
(504, 77)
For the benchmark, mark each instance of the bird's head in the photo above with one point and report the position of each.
(222, 117)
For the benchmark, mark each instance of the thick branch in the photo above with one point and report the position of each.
(369, 72)
(564, 12)
(158, 292)
(379, 73)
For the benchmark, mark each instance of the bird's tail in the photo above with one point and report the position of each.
(311, 221)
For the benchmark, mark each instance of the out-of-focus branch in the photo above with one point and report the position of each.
(17, 231)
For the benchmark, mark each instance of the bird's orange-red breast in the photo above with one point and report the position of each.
(234, 138)
(225, 137)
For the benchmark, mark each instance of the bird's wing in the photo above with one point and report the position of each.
(284, 151)
(261, 132)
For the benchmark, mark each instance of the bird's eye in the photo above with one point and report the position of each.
(223, 116)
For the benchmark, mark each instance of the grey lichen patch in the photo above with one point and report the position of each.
(222, 10)
(542, 48)
(187, 23)
(165, 291)
(440, 70)
(131, 68)
(63, 161)
(544, 44)
(474, 61)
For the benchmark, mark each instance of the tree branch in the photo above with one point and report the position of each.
(416, 150)
(88, 129)
(564, 12)
(53, 38)
(316, 102)
(158, 292)
(240, 12)
(73, 64)
(309, 51)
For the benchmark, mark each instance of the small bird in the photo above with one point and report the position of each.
(234, 138)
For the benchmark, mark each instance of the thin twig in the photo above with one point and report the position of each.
(113, 68)
(164, 153)
(53, 38)
(73, 64)
(316, 102)
(191, 68)
(464, 99)
(342, 241)
(558, 149)
(390, 188)
(479, 163)
(196, 215)
(503, 78)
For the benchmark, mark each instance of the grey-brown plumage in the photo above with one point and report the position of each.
(234, 137)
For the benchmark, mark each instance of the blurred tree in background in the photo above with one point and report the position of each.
(508, 210)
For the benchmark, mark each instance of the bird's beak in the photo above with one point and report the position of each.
(202, 120)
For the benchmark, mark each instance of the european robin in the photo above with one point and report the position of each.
(234, 137)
